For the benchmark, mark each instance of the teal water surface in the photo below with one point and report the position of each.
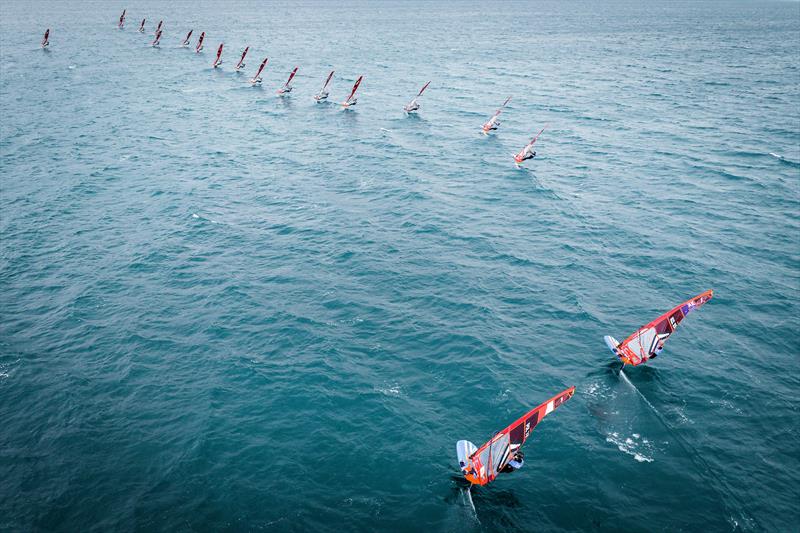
(223, 310)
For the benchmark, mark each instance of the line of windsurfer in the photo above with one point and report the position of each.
(492, 124)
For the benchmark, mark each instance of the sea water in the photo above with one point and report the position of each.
(225, 310)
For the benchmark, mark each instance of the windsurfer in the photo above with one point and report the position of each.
(413, 105)
(493, 124)
(323, 93)
(515, 463)
(218, 60)
(527, 153)
(352, 100)
(659, 347)
(481, 466)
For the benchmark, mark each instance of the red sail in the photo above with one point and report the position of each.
(290, 77)
(488, 126)
(489, 459)
(355, 88)
(521, 154)
(239, 64)
(327, 81)
(263, 64)
(642, 344)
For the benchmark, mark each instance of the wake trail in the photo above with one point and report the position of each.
(785, 160)
(468, 492)
(720, 486)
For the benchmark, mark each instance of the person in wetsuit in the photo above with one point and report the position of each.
(515, 463)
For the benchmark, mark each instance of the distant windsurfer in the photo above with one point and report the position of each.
(186, 40)
(122, 19)
(46, 39)
(494, 122)
(413, 105)
(218, 60)
(648, 341)
(157, 40)
(323, 93)
(352, 100)
(528, 152)
(256, 80)
(141, 26)
(240, 65)
(287, 87)
(199, 47)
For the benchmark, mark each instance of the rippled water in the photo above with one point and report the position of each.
(222, 310)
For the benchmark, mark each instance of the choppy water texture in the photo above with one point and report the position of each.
(226, 311)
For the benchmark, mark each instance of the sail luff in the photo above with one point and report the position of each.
(328, 80)
(263, 64)
(291, 76)
(423, 89)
